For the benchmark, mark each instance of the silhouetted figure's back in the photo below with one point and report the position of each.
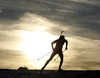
(57, 50)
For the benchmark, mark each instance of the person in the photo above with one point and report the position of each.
(57, 50)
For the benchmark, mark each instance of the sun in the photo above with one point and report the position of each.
(36, 43)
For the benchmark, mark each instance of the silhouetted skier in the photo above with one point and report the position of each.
(57, 50)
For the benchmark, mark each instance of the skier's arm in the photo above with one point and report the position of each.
(53, 43)
(66, 44)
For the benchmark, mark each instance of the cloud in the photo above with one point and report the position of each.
(10, 14)
(27, 21)
(77, 19)
(83, 1)
(66, 11)
(10, 33)
(70, 14)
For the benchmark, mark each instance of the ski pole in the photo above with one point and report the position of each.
(57, 57)
(44, 55)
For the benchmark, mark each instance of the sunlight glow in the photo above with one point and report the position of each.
(35, 44)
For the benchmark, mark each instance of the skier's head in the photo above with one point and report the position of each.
(62, 37)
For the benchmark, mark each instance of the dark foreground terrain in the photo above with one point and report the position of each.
(5, 73)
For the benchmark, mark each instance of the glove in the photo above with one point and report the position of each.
(66, 48)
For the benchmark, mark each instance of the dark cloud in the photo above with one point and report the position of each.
(11, 14)
(86, 17)
(70, 13)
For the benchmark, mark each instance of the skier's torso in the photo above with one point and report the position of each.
(59, 45)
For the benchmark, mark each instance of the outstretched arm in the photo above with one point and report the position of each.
(53, 43)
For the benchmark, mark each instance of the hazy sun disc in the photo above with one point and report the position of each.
(35, 44)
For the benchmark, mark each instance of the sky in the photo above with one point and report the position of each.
(27, 28)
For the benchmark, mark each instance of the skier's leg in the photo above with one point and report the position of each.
(51, 57)
(61, 62)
